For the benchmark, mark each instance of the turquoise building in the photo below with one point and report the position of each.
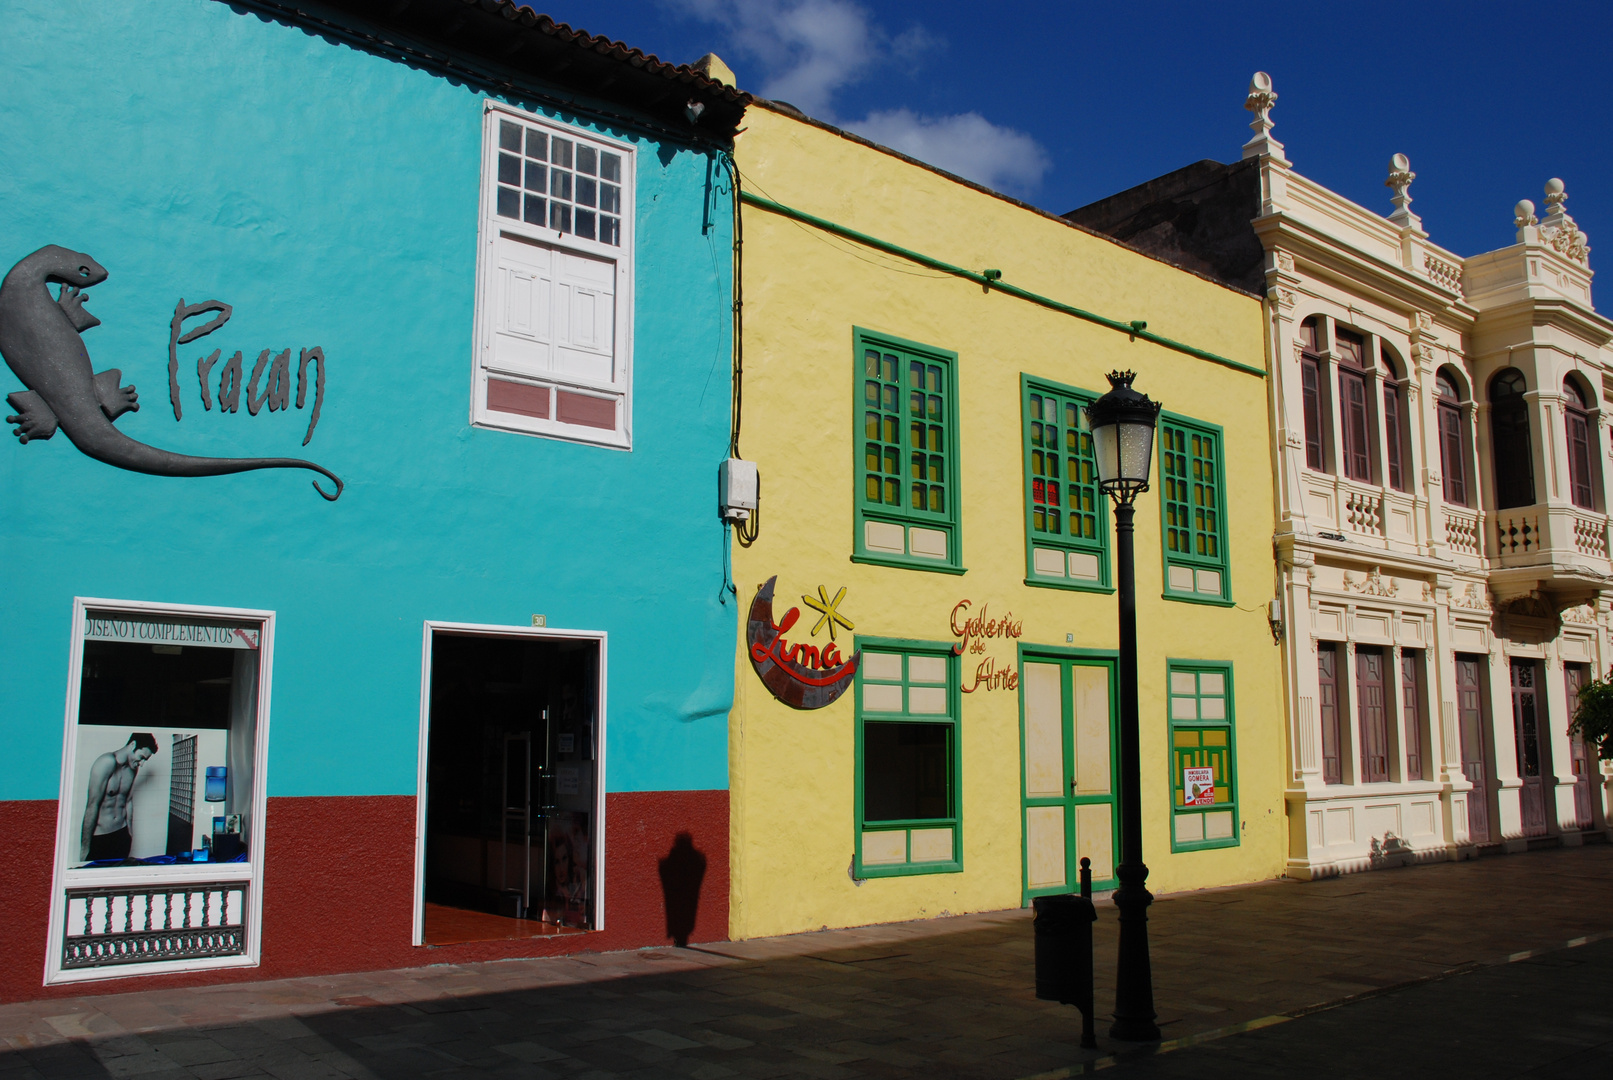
(470, 272)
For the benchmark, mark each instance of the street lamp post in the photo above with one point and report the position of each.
(1122, 424)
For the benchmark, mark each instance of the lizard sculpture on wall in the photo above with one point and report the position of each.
(39, 339)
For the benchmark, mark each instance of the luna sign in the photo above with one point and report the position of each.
(800, 674)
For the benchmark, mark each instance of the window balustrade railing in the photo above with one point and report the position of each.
(1462, 532)
(1556, 532)
(1363, 512)
(1590, 535)
(152, 923)
(1518, 533)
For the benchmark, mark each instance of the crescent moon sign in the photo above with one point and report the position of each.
(795, 684)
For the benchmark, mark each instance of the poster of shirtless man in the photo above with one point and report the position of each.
(108, 810)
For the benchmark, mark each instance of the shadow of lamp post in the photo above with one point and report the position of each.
(1122, 424)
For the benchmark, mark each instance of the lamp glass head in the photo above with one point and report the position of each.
(1122, 423)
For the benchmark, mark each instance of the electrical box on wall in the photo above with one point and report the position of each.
(737, 488)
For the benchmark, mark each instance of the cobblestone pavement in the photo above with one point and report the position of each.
(945, 997)
(1547, 1015)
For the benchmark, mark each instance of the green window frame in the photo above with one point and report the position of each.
(1192, 509)
(905, 454)
(1203, 735)
(909, 777)
(1066, 515)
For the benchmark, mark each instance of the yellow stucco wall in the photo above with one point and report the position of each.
(805, 290)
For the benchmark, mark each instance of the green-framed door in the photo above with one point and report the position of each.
(1067, 746)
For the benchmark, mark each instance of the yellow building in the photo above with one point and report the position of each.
(916, 354)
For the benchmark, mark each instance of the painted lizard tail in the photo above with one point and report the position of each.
(39, 339)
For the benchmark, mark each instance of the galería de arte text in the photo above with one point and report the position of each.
(973, 630)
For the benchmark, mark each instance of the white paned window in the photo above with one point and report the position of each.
(555, 275)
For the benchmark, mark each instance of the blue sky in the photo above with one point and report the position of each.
(1063, 103)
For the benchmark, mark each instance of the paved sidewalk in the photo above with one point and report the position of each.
(946, 997)
(1547, 1016)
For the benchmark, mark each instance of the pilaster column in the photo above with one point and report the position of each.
(1557, 771)
(1507, 822)
(1550, 446)
(1445, 725)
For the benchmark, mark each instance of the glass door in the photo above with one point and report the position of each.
(1526, 728)
(1470, 710)
(1067, 719)
(1577, 675)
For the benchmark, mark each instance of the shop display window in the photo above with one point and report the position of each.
(164, 743)
(161, 811)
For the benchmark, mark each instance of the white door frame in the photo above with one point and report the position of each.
(492, 630)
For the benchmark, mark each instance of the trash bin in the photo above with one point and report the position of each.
(1064, 954)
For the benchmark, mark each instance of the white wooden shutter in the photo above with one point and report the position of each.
(554, 313)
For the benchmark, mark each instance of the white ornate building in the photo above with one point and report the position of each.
(1442, 476)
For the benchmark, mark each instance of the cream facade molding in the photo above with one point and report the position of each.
(1373, 584)
(1584, 614)
(1400, 178)
(1444, 274)
(1259, 101)
(1559, 231)
(1419, 556)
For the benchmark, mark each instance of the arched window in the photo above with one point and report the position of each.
(1452, 454)
(1310, 377)
(1509, 441)
(1394, 437)
(1581, 446)
(1356, 429)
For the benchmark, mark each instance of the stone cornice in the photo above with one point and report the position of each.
(1388, 283)
(1595, 330)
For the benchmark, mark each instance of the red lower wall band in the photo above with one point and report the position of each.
(339, 887)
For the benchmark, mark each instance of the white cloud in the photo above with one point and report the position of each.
(966, 144)
(811, 50)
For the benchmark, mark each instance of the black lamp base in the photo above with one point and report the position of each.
(1134, 986)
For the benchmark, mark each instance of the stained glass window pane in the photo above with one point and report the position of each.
(1191, 495)
(1063, 497)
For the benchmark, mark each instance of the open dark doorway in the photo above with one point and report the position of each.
(511, 777)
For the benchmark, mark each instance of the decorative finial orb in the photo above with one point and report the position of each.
(1260, 84)
(1524, 214)
(1399, 163)
(1554, 186)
